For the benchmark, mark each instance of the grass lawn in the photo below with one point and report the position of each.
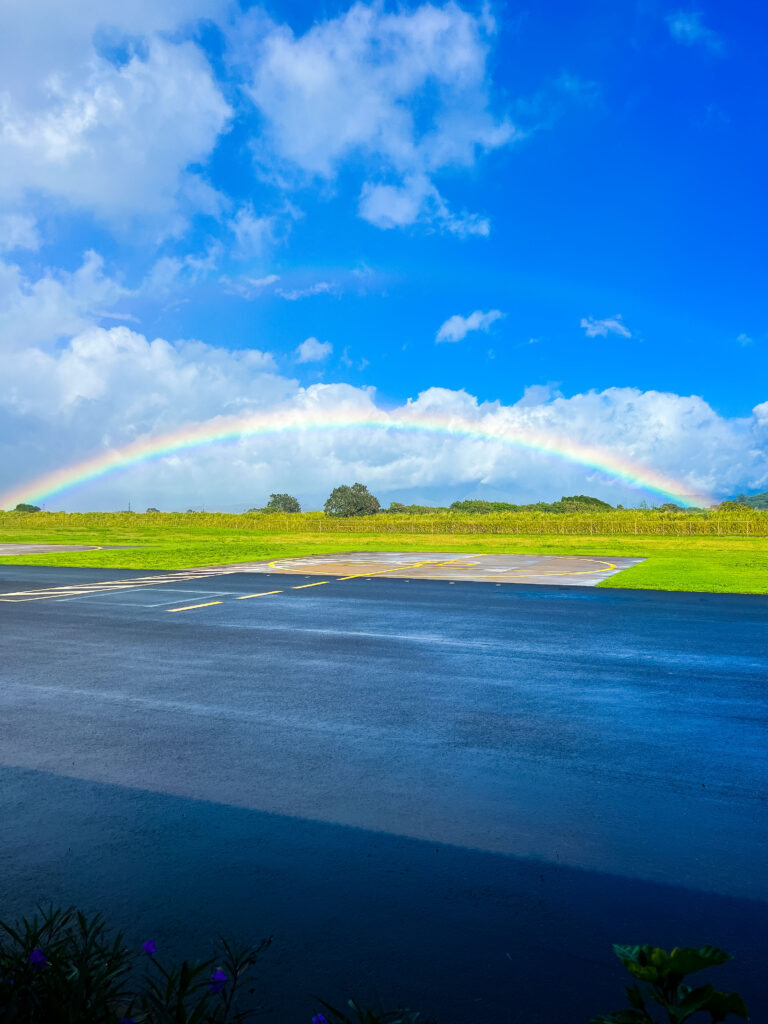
(717, 564)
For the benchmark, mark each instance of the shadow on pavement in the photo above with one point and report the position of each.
(355, 913)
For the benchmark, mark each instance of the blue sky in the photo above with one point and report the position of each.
(551, 214)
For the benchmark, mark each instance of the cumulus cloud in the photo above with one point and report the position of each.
(42, 39)
(688, 28)
(406, 93)
(117, 376)
(456, 328)
(104, 387)
(313, 351)
(416, 200)
(56, 304)
(602, 328)
(115, 137)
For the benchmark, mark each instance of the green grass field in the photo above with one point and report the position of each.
(716, 564)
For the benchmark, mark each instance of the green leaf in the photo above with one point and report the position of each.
(624, 1017)
(721, 1004)
(696, 999)
(630, 954)
(635, 997)
(686, 961)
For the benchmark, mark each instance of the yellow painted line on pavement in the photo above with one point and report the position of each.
(398, 568)
(303, 586)
(264, 593)
(189, 607)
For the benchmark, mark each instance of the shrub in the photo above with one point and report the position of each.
(663, 975)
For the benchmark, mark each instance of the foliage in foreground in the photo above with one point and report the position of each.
(361, 1016)
(61, 968)
(663, 975)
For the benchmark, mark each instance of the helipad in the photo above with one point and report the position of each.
(565, 570)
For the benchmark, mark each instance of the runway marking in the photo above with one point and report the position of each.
(108, 586)
(517, 572)
(189, 607)
(464, 561)
(402, 568)
(322, 583)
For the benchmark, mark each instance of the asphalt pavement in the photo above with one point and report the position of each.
(403, 782)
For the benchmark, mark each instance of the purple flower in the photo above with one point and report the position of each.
(217, 980)
(149, 947)
(320, 1019)
(38, 958)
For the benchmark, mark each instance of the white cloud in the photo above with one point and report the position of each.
(112, 138)
(103, 388)
(57, 304)
(118, 383)
(602, 328)
(406, 93)
(688, 28)
(169, 272)
(43, 39)
(313, 351)
(18, 231)
(319, 288)
(253, 234)
(457, 327)
(416, 200)
(744, 339)
(249, 287)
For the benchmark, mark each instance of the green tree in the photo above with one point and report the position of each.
(356, 500)
(754, 500)
(22, 507)
(282, 503)
(580, 503)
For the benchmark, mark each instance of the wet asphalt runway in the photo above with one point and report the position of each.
(403, 782)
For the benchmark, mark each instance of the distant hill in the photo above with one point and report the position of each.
(753, 500)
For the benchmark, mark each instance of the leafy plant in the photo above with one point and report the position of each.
(61, 968)
(368, 1016)
(663, 975)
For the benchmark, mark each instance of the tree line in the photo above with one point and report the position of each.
(350, 500)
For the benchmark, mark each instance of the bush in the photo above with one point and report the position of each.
(60, 968)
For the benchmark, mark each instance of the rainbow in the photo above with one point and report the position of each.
(279, 422)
